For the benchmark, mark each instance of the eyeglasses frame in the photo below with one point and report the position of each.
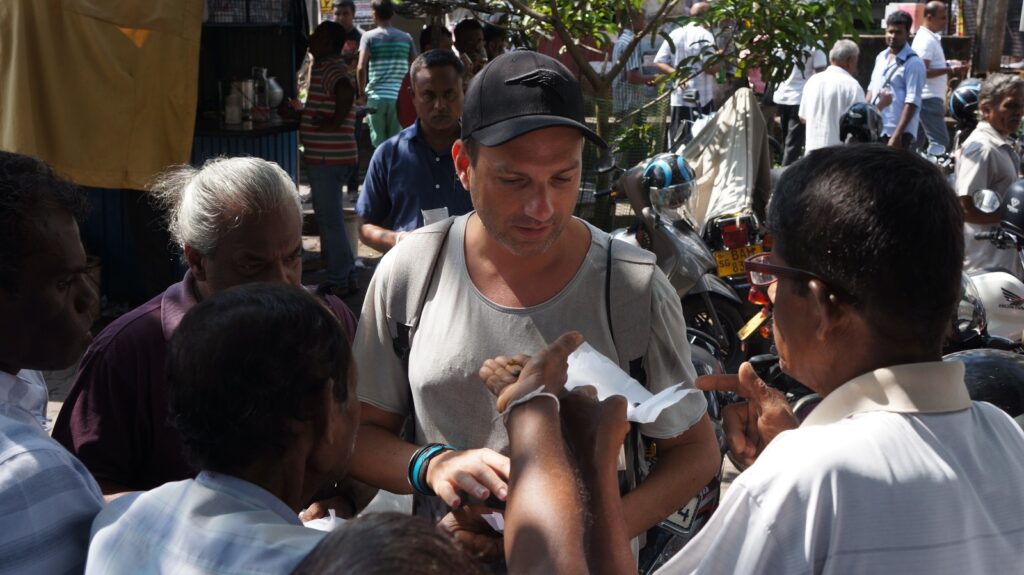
(750, 265)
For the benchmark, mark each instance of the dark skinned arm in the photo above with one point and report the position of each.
(544, 531)
(905, 116)
(973, 216)
(344, 97)
(544, 520)
(362, 75)
(378, 237)
(595, 431)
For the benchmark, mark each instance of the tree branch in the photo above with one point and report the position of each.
(523, 8)
(588, 72)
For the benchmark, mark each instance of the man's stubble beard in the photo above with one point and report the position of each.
(517, 248)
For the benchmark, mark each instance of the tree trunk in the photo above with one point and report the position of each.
(988, 41)
(605, 206)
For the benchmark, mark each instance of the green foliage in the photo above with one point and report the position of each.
(775, 35)
(769, 34)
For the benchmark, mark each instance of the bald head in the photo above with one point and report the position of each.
(699, 8)
(935, 18)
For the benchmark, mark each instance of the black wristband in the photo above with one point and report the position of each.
(417, 473)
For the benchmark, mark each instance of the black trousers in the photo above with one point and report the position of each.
(793, 131)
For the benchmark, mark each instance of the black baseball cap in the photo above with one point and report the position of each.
(520, 92)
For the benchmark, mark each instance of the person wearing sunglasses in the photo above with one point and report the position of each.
(896, 470)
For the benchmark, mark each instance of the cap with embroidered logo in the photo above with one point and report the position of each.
(520, 92)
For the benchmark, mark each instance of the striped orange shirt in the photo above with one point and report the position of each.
(327, 147)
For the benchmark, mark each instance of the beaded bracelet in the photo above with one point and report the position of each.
(418, 466)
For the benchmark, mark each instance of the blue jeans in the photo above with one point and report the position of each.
(325, 183)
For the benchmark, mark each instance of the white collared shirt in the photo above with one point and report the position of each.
(987, 161)
(928, 46)
(689, 41)
(896, 471)
(789, 93)
(827, 96)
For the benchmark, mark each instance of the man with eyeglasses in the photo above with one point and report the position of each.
(411, 178)
(896, 470)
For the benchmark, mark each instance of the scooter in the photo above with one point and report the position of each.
(1001, 293)
(665, 227)
(672, 533)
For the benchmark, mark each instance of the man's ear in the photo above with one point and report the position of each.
(196, 262)
(462, 163)
(828, 309)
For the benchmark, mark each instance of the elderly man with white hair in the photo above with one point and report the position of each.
(829, 94)
(237, 221)
(988, 161)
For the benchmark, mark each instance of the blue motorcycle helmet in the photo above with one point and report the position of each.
(670, 180)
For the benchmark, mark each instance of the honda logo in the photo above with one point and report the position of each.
(1013, 299)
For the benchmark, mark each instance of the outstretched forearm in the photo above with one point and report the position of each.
(905, 116)
(685, 465)
(378, 237)
(381, 458)
(608, 537)
(544, 521)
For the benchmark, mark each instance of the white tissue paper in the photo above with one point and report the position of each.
(328, 524)
(587, 366)
(495, 520)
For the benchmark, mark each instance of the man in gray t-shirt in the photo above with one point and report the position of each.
(511, 276)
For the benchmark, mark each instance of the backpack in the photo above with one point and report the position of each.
(628, 281)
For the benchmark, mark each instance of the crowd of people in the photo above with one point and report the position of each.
(206, 426)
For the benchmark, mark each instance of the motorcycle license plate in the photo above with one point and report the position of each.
(730, 262)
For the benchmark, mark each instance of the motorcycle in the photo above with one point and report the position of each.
(672, 533)
(1000, 293)
(665, 227)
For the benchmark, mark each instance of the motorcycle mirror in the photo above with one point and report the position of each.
(607, 163)
(936, 149)
(986, 201)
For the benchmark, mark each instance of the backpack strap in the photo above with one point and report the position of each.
(409, 281)
(629, 274)
(628, 279)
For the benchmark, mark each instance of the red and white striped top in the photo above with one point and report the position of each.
(327, 147)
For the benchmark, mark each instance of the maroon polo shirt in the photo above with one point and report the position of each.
(115, 418)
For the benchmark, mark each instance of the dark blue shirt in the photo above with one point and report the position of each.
(405, 176)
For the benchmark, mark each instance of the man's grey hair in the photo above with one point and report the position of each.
(204, 204)
(996, 87)
(843, 50)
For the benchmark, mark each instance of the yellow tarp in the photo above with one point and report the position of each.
(104, 90)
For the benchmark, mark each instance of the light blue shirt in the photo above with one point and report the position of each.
(906, 85)
(214, 523)
(47, 497)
